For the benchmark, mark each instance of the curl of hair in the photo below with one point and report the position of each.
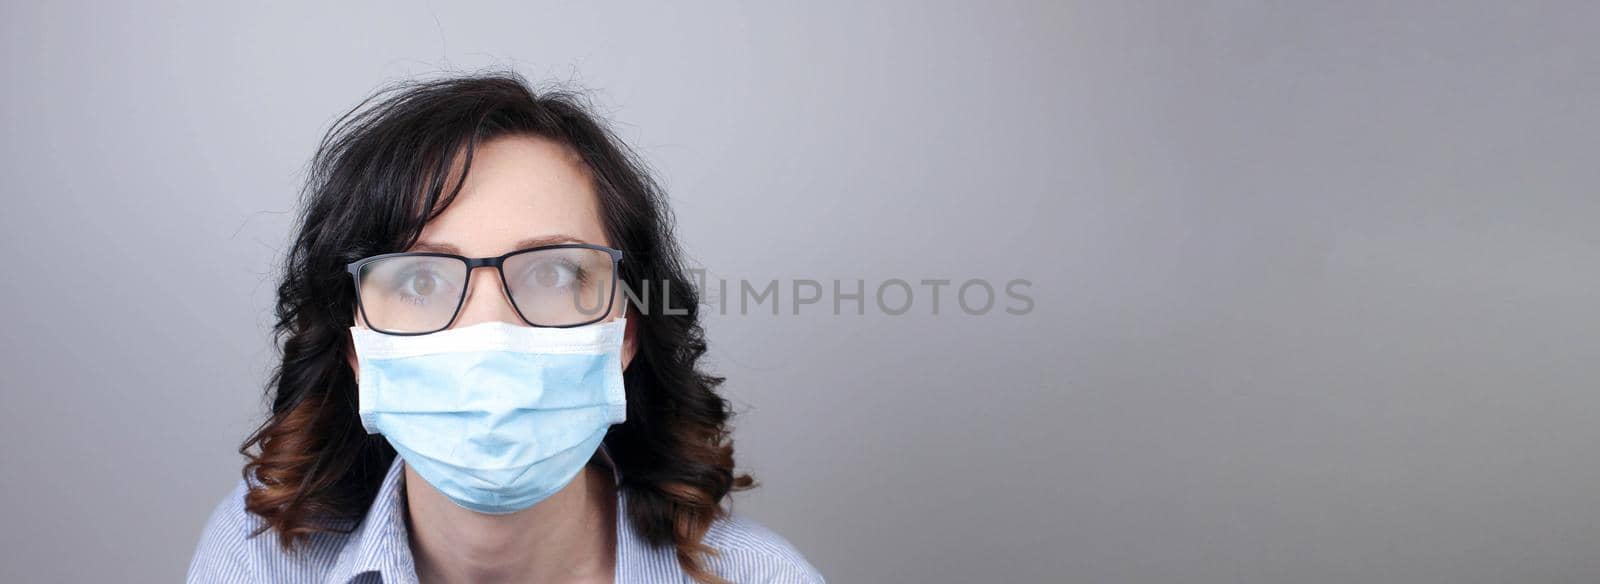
(378, 176)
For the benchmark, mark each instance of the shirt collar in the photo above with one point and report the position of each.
(381, 543)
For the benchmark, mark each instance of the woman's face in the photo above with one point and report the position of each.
(522, 191)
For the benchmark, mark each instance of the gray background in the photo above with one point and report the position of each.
(1315, 284)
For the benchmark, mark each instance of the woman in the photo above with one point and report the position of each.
(436, 422)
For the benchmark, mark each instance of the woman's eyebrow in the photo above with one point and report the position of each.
(524, 244)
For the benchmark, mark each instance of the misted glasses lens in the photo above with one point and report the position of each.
(561, 286)
(412, 294)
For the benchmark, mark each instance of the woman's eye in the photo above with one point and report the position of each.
(420, 284)
(552, 275)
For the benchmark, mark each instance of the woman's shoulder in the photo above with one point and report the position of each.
(225, 552)
(234, 547)
(748, 551)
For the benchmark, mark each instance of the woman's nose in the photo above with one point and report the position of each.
(486, 300)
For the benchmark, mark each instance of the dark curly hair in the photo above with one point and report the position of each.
(377, 177)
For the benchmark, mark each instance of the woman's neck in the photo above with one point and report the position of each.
(569, 537)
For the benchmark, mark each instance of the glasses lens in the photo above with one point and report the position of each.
(561, 286)
(412, 294)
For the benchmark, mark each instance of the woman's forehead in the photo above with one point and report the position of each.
(519, 188)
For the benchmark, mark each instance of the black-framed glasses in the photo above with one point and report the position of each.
(416, 293)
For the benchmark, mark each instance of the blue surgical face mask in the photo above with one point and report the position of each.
(496, 416)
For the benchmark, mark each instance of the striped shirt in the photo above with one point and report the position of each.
(378, 550)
